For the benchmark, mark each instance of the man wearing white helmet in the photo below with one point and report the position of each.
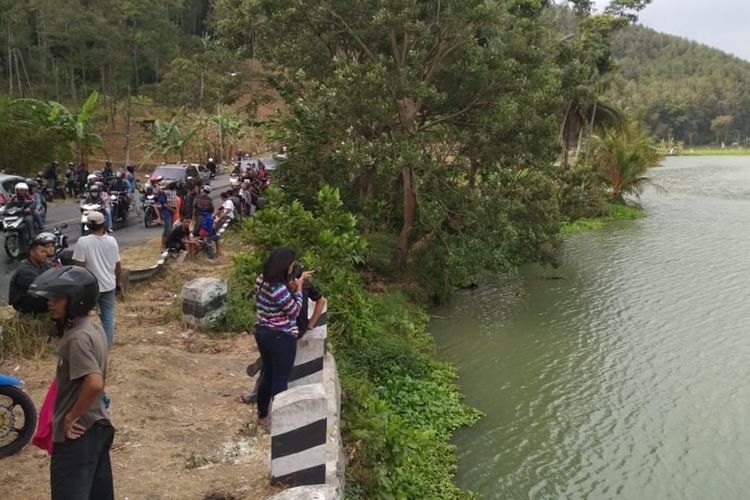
(211, 166)
(23, 200)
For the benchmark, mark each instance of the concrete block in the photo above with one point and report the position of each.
(204, 302)
(308, 362)
(299, 435)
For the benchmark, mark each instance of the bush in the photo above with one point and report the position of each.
(399, 405)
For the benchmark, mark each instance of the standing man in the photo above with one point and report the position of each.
(27, 272)
(51, 176)
(81, 430)
(98, 252)
(166, 201)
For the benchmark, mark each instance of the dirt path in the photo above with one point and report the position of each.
(179, 435)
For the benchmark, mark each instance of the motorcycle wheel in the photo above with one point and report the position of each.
(149, 217)
(13, 245)
(15, 405)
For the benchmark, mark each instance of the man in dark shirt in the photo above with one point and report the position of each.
(30, 268)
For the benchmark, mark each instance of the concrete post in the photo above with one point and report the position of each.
(204, 302)
(298, 436)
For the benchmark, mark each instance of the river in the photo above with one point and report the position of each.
(624, 373)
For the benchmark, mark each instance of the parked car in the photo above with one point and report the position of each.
(7, 186)
(182, 174)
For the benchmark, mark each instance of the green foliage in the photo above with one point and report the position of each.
(614, 212)
(623, 158)
(680, 87)
(399, 405)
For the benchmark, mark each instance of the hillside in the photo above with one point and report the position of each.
(685, 90)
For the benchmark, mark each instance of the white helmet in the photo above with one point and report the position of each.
(22, 186)
(210, 159)
(207, 189)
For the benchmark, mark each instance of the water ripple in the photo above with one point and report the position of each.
(627, 378)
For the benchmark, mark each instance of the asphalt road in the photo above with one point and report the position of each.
(67, 212)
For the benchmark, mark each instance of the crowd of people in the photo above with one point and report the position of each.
(81, 428)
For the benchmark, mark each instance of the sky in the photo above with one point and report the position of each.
(722, 24)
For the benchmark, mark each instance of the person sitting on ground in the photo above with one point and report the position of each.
(179, 240)
(304, 325)
(207, 232)
(31, 267)
(226, 212)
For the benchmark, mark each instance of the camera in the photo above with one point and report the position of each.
(297, 272)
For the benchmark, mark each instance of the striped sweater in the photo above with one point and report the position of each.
(277, 308)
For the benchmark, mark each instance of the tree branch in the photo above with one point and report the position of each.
(370, 54)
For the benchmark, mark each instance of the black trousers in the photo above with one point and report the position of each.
(277, 350)
(80, 468)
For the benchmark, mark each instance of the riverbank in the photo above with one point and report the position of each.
(715, 152)
(617, 212)
(400, 406)
(179, 432)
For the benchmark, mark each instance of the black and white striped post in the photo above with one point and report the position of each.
(298, 436)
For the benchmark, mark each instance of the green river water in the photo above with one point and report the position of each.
(626, 372)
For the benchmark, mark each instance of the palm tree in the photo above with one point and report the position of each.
(622, 158)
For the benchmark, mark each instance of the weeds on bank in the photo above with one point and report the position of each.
(399, 405)
(616, 212)
(24, 335)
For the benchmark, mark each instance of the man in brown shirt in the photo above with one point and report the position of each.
(81, 431)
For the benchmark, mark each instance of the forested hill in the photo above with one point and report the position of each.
(686, 90)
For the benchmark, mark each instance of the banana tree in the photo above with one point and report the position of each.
(168, 138)
(79, 126)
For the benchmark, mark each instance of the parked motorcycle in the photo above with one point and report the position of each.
(63, 254)
(149, 209)
(17, 416)
(15, 230)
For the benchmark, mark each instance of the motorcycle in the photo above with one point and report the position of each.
(14, 227)
(63, 254)
(120, 206)
(87, 207)
(149, 209)
(17, 416)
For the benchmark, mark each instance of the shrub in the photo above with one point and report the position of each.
(400, 406)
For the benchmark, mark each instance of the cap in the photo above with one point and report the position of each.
(94, 217)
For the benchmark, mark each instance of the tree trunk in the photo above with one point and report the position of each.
(402, 248)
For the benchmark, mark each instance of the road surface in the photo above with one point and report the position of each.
(67, 212)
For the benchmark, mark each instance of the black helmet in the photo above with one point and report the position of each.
(43, 239)
(74, 282)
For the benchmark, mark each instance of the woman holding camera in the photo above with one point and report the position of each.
(278, 303)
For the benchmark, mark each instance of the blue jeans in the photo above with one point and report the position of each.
(108, 216)
(277, 350)
(166, 216)
(107, 314)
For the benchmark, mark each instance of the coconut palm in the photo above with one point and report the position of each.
(622, 158)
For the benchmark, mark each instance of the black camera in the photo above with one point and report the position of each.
(297, 271)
